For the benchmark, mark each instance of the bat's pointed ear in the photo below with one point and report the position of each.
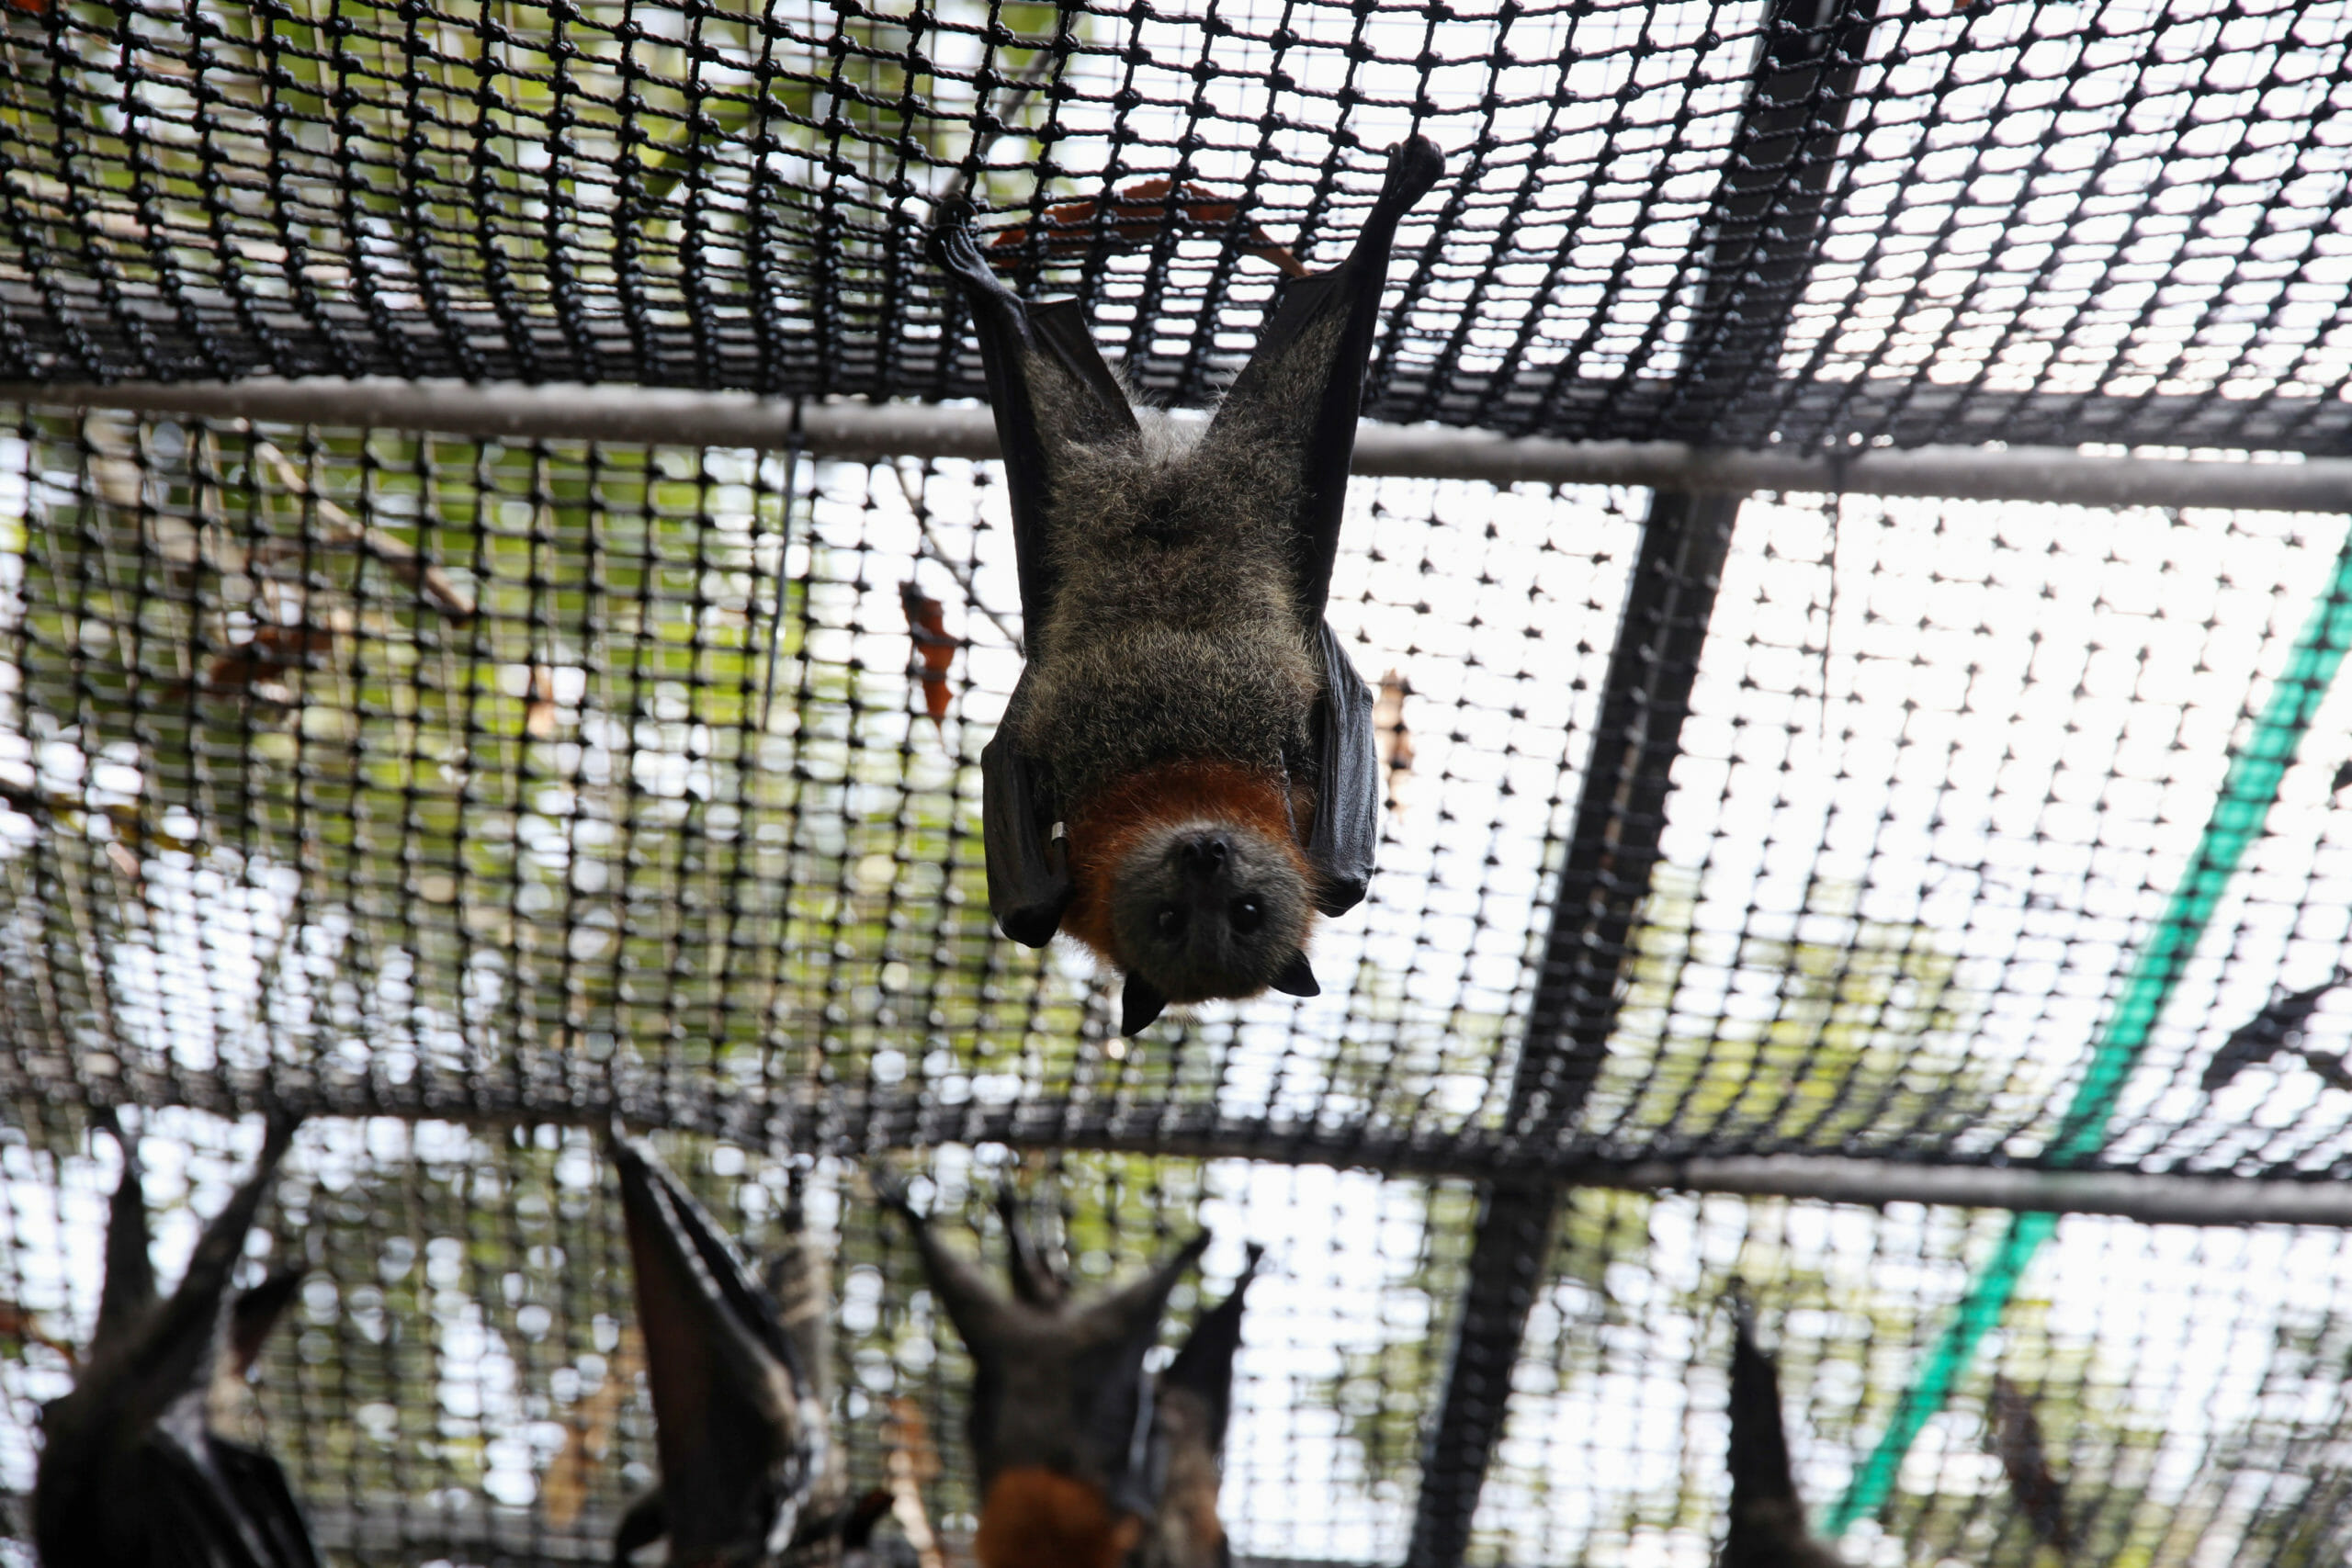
(1204, 1365)
(731, 1419)
(1297, 978)
(1140, 1001)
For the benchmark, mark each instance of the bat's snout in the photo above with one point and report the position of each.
(1201, 858)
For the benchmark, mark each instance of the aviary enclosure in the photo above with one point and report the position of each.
(503, 590)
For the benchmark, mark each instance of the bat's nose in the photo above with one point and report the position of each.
(1202, 857)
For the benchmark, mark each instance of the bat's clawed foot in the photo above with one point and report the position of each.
(956, 250)
(1414, 165)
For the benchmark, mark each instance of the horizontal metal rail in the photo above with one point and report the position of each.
(868, 432)
(892, 1122)
(474, 1529)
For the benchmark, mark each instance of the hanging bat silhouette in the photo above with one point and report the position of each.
(131, 1474)
(1196, 1404)
(1185, 773)
(740, 1435)
(1767, 1528)
(1060, 1422)
(2270, 1032)
(2016, 1439)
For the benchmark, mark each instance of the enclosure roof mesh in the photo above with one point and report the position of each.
(2118, 223)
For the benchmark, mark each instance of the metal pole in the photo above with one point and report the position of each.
(1760, 243)
(897, 1121)
(872, 432)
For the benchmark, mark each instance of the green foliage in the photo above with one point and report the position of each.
(1850, 1026)
(598, 784)
(393, 156)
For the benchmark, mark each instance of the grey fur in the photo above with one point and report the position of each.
(1174, 632)
(1174, 582)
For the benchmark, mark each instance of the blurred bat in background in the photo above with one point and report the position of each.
(1185, 773)
(1767, 1526)
(2017, 1439)
(741, 1431)
(1061, 1413)
(1394, 738)
(1196, 1404)
(2277, 1027)
(131, 1474)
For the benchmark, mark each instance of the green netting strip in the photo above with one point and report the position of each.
(2248, 791)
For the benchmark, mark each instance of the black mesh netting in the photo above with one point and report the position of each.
(1738, 221)
(460, 794)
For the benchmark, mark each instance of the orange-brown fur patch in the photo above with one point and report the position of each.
(1107, 825)
(1034, 1518)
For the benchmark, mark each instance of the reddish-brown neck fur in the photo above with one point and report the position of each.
(1034, 1518)
(1107, 825)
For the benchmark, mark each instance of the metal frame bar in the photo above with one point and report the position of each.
(871, 432)
(908, 1122)
(1761, 241)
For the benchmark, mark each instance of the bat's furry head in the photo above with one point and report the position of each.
(1061, 1407)
(1189, 878)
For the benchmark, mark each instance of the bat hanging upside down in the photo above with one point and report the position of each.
(131, 1474)
(1185, 774)
(1767, 1528)
(1084, 1459)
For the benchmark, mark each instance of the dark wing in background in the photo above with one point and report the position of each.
(735, 1436)
(1768, 1526)
(1195, 1406)
(2264, 1035)
(1048, 383)
(2041, 1495)
(1302, 392)
(1205, 1366)
(130, 1476)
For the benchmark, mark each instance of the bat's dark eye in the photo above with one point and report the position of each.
(1245, 915)
(1170, 921)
